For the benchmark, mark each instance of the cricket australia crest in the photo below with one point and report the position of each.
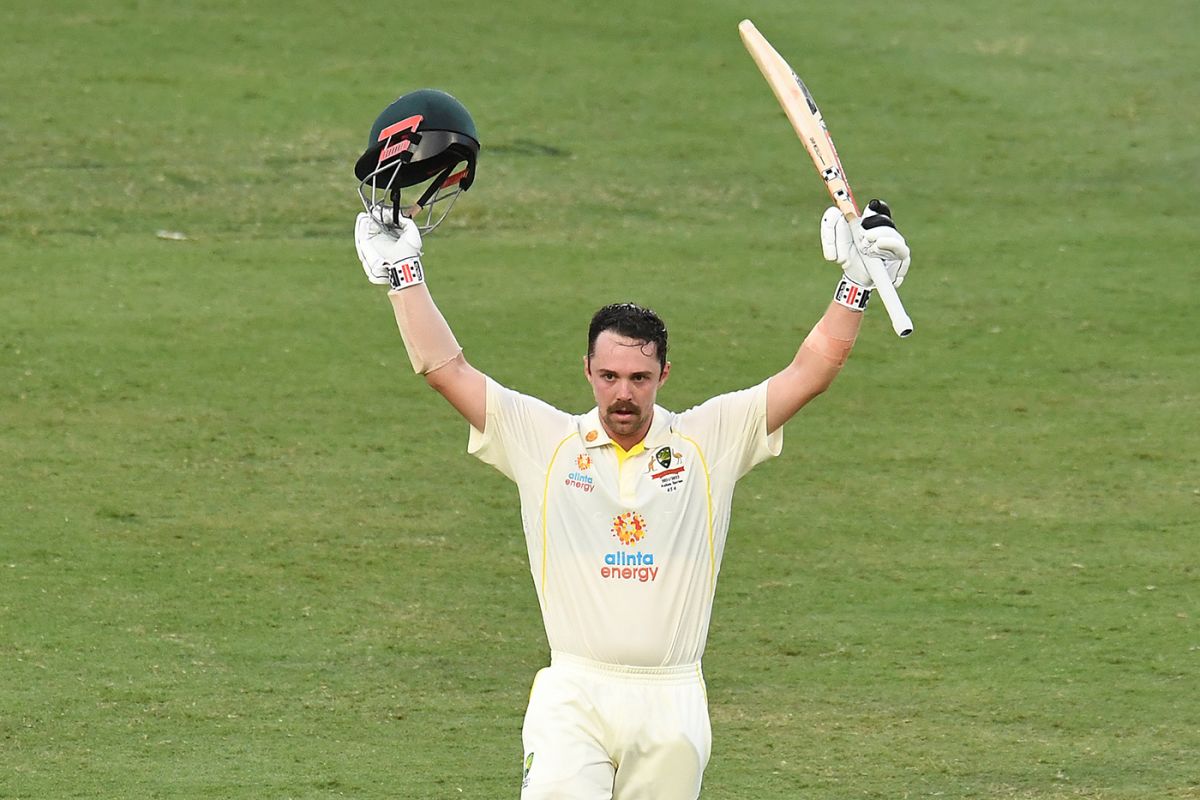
(667, 469)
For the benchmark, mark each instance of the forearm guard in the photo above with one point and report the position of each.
(427, 337)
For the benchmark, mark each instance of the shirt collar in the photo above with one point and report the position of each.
(593, 435)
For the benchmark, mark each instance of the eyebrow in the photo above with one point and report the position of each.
(639, 374)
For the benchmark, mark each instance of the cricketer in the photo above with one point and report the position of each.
(625, 508)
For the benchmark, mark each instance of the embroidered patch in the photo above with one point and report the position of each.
(670, 469)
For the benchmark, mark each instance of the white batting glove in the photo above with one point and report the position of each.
(389, 256)
(874, 236)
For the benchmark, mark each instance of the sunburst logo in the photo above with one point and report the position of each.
(629, 528)
(584, 462)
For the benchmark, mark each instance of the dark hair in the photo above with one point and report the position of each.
(633, 322)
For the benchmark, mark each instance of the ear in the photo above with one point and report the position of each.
(587, 368)
(665, 372)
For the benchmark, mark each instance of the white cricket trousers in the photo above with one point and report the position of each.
(598, 731)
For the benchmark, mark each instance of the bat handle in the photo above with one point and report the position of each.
(901, 323)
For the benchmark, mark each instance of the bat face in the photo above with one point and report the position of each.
(802, 111)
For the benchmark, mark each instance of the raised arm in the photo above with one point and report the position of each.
(393, 257)
(826, 348)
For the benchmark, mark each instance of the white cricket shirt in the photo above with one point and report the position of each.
(625, 554)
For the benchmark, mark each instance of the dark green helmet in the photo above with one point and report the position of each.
(422, 136)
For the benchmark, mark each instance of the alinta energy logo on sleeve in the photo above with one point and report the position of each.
(629, 565)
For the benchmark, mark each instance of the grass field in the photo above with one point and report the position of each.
(243, 553)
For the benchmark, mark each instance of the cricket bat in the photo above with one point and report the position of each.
(806, 119)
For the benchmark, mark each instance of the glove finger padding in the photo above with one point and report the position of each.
(829, 235)
(389, 255)
(880, 239)
(888, 246)
(365, 228)
(411, 235)
(885, 243)
(838, 244)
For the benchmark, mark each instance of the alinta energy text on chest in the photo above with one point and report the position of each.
(577, 480)
(641, 574)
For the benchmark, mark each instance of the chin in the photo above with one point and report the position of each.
(623, 428)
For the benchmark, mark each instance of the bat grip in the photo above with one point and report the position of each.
(901, 323)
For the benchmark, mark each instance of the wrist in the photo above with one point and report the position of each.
(405, 273)
(851, 295)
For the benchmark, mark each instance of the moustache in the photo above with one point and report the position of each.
(619, 408)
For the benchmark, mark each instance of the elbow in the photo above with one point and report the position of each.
(818, 387)
(822, 386)
(438, 380)
(815, 390)
(818, 382)
(443, 377)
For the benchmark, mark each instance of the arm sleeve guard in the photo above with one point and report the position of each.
(427, 337)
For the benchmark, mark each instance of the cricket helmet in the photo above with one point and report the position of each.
(418, 141)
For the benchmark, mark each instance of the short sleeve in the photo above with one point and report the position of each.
(732, 429)
(520, 432)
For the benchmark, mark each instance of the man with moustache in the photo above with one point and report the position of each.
(625, 511)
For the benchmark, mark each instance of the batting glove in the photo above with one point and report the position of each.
(874, 236)
(389, 256)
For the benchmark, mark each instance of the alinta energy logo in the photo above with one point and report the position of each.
(629, 529)
(578, 478)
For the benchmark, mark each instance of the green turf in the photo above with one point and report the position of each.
(243, 553)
